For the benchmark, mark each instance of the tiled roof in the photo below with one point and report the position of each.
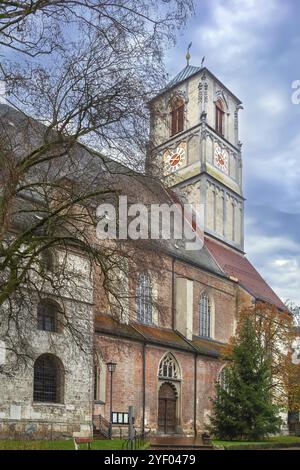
(185, 73)
(107, 324)
(208, 347)
(235, 264)
(165, 337)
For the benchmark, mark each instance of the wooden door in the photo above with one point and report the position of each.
(166, 409)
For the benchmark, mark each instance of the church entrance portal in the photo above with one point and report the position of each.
(167, 409)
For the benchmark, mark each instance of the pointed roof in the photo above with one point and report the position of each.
(236, 265)
(185, 73)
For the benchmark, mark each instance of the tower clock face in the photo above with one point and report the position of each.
(221, 159)
(174, 159)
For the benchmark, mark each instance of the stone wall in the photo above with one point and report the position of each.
(20, 415)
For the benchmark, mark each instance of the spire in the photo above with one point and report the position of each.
(188, 55)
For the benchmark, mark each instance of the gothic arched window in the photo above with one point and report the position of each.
(169, 368)
(48, 379)
(48, 316)
(220, 117)
(144, 301)
(205, 315)
(177, 116)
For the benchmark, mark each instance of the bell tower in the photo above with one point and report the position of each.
(195, 129)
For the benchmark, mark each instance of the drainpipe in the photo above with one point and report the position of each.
(173, 294)
(195, 395)
(144, 388)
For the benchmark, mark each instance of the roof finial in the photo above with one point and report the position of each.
(188, 55)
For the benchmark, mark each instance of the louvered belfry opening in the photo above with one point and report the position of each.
(177, 116)
(219, 117)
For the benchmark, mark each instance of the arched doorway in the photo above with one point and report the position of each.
(167, 408)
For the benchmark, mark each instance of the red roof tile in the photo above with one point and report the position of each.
(162, 335)
(154, 335)
(235, 264)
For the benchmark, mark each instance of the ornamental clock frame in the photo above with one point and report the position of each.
(174, 159)
(221, 159)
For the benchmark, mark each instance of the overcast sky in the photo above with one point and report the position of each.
(253, 47)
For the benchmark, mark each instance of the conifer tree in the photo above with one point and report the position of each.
(243, 407)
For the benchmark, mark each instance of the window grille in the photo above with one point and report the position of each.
(144, 299)
(48, 378)
(205, 316)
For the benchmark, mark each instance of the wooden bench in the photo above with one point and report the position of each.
(82, 440)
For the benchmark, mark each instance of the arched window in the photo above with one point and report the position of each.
(205, 315)
(48, 316)
(177, 116)
(144, 299)
(169, 368)
(48, 381)
(219, 117)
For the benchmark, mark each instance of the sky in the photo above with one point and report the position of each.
(253, 47)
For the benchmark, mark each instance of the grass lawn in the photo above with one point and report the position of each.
(114, 444)
(276, 441)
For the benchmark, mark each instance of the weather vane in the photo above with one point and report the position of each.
(188, 55)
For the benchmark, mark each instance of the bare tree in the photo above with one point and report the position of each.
(295, 310)
(84, 71)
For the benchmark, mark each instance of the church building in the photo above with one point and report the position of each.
(166, 356)
(166, 366)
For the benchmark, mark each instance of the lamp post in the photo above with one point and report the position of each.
(111, 366)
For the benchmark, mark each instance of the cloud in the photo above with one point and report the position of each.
(252, 46)
(238, 27)
(278, 261)
(273, 102)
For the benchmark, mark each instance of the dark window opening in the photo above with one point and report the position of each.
(177, 117)
(47, 316)
(219, 117)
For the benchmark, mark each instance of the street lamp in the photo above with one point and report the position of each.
(111, 366)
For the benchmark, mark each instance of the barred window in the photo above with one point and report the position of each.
(48, 379)
(144, 299)
(168, 367)
(47, 316)
(205, 316)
